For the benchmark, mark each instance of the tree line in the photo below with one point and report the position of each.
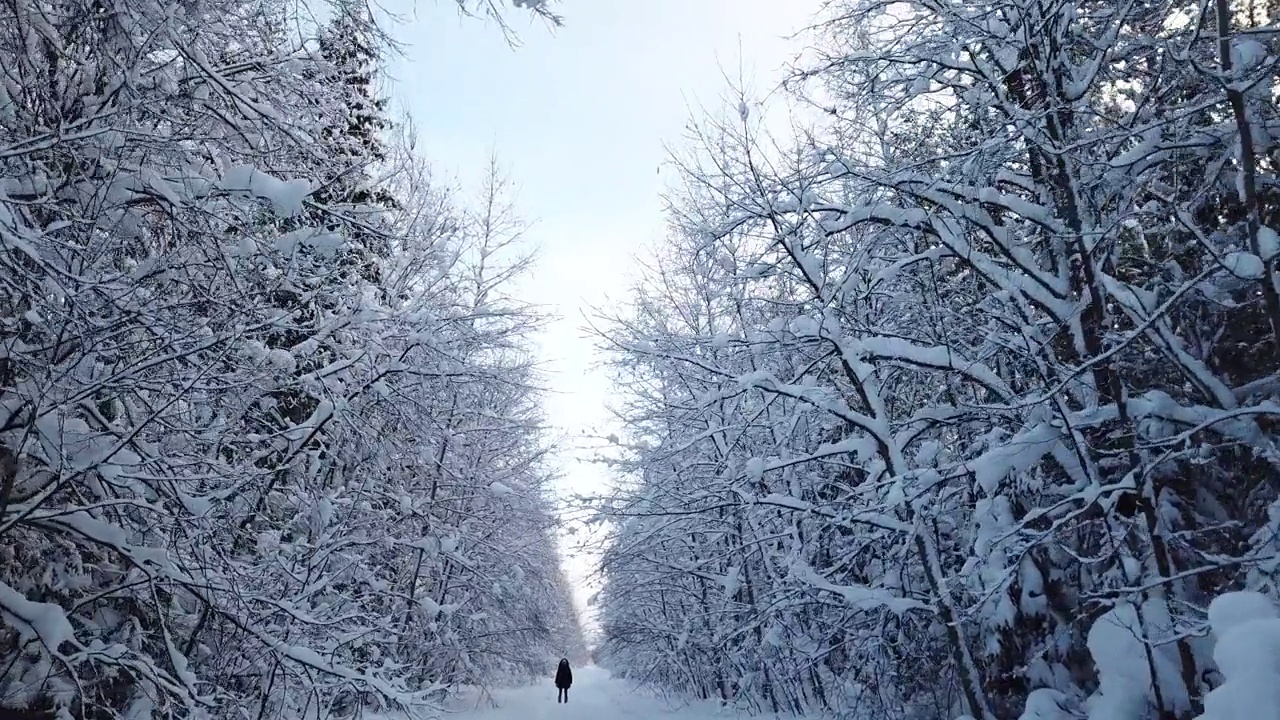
(963, 384)
(270, 432)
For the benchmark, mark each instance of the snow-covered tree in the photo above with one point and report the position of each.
(986, 354)
(229, 356)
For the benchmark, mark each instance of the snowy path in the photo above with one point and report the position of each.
(594, 696)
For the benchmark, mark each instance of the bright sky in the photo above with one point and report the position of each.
(579, 117)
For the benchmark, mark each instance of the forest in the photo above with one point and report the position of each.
(957, 394)
(270, 431)
(952, 391)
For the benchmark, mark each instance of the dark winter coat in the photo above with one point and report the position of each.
(564, 676)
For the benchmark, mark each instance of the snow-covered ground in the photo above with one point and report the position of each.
(595, 695)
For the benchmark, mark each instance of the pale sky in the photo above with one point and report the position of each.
(579, 117)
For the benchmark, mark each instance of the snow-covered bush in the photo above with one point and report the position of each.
(1245, 633)
(1246, 628)
(1124, 648)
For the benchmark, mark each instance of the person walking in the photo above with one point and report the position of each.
(564, 678)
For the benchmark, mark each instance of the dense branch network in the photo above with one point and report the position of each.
(961, 401)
